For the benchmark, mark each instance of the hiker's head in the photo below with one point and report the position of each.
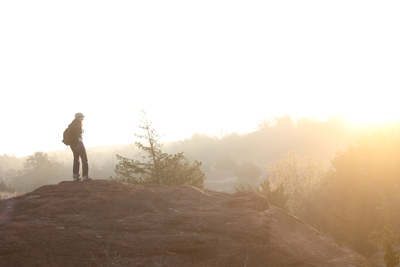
(79, 116)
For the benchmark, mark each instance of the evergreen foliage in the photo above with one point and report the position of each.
(156, 167)
(38, 169)
(276, 197)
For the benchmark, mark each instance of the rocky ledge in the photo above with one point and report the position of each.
(105, 223)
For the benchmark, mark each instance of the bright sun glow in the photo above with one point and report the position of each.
(207, 67)
(373, 113)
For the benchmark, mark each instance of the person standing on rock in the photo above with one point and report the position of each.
(78, 149)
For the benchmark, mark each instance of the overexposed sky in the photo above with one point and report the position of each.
(193, 66)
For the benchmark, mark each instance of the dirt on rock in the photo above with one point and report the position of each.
(105, 223)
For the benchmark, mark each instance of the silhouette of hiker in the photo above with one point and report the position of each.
(78, 149)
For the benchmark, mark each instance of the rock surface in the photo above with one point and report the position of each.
(105, 223)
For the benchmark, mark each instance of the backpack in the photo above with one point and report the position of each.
(67, 136)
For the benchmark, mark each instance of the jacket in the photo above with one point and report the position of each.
(76, 131)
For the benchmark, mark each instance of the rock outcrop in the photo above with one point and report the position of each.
(104, 223)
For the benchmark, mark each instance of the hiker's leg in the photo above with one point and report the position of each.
(75, 166)
(85, 165)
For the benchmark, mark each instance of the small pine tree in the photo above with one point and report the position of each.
(277, 197)
(157, 167)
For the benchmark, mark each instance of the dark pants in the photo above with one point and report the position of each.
(80, 151)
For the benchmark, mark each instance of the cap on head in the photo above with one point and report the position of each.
(77, 115)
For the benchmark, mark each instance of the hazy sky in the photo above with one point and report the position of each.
(193, 66)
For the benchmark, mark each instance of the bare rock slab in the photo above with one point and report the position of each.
(105, 223)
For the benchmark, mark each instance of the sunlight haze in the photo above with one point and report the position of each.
(208, 67)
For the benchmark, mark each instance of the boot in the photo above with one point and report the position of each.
(76, 177)
(86, 178)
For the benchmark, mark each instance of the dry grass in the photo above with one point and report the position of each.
(6, 195)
